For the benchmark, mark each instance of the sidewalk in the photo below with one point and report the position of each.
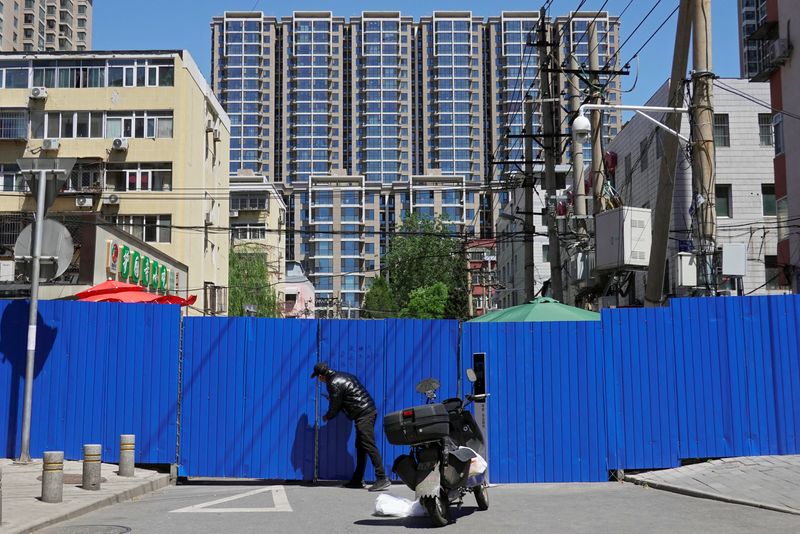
(770, 482)
(24, 512)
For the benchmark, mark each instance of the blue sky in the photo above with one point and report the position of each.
(171, 24)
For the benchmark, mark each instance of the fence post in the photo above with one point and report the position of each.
(91, 467)
(53, 476)
(127, 453)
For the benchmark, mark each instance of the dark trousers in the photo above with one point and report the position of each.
(365, 445)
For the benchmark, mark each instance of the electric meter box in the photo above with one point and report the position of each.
(623, 237)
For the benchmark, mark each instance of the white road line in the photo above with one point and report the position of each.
(279, 499)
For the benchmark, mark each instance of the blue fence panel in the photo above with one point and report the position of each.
(101, 370)
(640, 388)
(390, 357)
(547, 409)
(784, 321)
(248, 402)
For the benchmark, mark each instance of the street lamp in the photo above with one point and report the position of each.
(582, 127)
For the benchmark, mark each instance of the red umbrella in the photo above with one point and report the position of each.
(123, 296)
(107, 287)
(175, 299)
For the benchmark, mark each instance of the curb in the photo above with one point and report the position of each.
(709, 495)
(156, 483)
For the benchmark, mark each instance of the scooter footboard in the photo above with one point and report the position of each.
(406, 468)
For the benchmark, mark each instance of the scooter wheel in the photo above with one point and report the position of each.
(438, 509)
(482, 496)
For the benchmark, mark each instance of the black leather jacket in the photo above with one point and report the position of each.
(348, 394)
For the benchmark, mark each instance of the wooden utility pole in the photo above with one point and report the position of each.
(598, 180)
(579, 181)
(666, 184)
(548, 137)
(703, 141)
(530, 284)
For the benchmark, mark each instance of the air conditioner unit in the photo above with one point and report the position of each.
(120, 143)
(217, 135)
(779, 51)
(210, 125)
(38, 93)
(209, 220)
(234, 213)
(83, 202)
(51, 144)
(111, 200)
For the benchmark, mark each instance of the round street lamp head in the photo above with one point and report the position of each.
(581, 128)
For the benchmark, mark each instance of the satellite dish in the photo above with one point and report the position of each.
(56, 241)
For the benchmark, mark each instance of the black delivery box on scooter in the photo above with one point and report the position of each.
(419, 424)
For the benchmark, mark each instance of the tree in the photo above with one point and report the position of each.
(422, 253)
(427, 302)
(379, 302)
(249, 274)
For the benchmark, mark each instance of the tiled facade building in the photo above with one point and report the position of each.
(45, 25)
(362, 121)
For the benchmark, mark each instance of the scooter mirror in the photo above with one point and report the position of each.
(471, 376)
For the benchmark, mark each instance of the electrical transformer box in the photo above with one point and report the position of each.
(623, 238)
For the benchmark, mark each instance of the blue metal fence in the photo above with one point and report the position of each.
(570, 401)
(248, 404)
(96, 376)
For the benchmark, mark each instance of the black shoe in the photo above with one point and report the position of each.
(353, 484)
(380, 485)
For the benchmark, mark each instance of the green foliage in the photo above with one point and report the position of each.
(427, 302)
(249, 275)
(421, 255)
(379, 302)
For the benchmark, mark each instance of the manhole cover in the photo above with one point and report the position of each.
(93, 529)
(71, 479)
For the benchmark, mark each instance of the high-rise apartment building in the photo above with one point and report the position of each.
(45, 25)
(752, 15)
(362, 121)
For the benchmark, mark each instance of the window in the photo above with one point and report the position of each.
(249, 202)
(768, 205)
(139, 124)
(777, 128)
(772, 273)
(723, 200)
(545, 253)
(765, 129)
(138, 177)
(722, 134)
(248, 231)
(10, 178)
(150, 228)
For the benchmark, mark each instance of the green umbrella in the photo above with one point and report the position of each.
(538, 310)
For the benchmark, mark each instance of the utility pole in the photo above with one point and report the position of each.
(599, 179)
(666, 183)
(548, 130)
(703, 136)
(579, 181)
(530, 284)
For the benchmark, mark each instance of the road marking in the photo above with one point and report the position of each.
(279, 499)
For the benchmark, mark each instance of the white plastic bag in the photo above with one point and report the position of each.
(477, 466)
(390, 505)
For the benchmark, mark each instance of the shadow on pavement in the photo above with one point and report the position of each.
(414, 522)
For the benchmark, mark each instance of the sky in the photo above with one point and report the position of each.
(185, 24)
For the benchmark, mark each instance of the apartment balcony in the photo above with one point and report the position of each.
(774, 54)
(14, 125)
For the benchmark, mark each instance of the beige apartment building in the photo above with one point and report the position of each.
(45, 25)
(151, 148)
(258, 224)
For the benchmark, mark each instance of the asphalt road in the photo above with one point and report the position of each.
(611, 507)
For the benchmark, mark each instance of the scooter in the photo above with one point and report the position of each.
(445, 441)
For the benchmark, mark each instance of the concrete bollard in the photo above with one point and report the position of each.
(127, 453)
(53, 476)
(91, 467)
